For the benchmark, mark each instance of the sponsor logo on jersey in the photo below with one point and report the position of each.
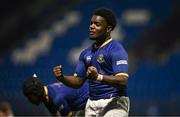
(100, 58)
(88, 58)
(121, 62)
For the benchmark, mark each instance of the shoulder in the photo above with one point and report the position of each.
(56, 85)
(57, 89)
(116, 45)
(85, 51)
(117, 49)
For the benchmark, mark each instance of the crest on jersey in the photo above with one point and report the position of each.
(100, 58)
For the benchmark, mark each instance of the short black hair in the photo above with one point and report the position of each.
(108, 15)
(33, 86)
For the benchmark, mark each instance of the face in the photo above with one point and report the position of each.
(34, 99)
(97, 28)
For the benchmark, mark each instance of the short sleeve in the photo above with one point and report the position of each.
(80, 69)
(119, 58)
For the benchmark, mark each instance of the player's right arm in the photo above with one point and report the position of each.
(79, 77)
(71, 81)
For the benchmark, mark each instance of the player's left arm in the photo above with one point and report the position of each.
(118, 79)
(119, 64)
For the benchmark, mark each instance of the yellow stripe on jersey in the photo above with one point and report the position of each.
(122, 74)
(106, 42)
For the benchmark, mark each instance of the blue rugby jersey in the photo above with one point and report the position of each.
(66, 99)
(110, 59)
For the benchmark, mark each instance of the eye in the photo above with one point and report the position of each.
(98, 24)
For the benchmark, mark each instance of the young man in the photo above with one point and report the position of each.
(59, 99)
(105, 65)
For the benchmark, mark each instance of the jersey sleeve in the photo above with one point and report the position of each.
(119, 59)
(57, 99)
(80, 69)
(61, 106)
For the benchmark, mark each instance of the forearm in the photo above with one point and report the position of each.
(119, 79)
(114, 80)
(71, 81)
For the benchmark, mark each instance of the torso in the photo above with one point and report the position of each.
(102, 60)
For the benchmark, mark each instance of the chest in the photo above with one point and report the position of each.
(101, 57)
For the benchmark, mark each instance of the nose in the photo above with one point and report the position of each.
(91, 26)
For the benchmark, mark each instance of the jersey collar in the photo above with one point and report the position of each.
(106, 42)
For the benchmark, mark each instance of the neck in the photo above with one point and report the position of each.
(99, 42)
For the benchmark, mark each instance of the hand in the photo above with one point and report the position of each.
(58, 72)
(92, 73)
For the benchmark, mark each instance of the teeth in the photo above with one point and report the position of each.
(34, 75)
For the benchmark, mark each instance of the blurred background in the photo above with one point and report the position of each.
(37, 35)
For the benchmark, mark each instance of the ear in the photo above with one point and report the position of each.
(108, 29)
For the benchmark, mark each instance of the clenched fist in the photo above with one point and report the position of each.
(58, 72)
(92, 73)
